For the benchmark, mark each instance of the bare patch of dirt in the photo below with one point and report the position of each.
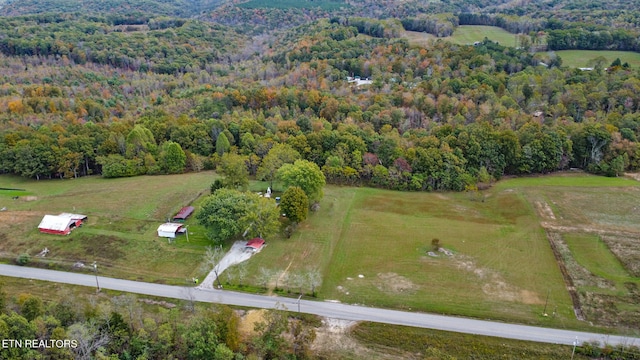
(544, 210)
(394, 283)
(496, 287)
(333, 340)
(249, 321)
(634, 176)
(12, 218)
(588, 229)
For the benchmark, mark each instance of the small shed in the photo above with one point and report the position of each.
(183, 214)
(254, 244)
(61, 224)
(170, 230)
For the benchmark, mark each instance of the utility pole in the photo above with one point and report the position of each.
(544, 312)
(95, 269)
(575, 343)
(299, 303)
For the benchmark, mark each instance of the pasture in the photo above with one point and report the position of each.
(417, 38)
(370, 246)
(582, 58)
(465, 35)
(468, 34)
(121, 231)
(596, 230)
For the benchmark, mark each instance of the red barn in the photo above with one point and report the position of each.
(61, 224)
(184, 213)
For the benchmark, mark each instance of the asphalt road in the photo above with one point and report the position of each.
(326, 309)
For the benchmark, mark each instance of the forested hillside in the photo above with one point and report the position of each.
(149, 94)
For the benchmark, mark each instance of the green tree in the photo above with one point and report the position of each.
(295, 204)
(14, 326)
(220, 212)
(31, 307)
(172, 158)
(279, 155)
(139, 140)
(306, 175)
(261, 218)
(222, 144)
(270, 342)
(234, 171)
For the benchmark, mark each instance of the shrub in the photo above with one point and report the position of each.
(23, 259)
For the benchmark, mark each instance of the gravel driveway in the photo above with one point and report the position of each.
(237, 254)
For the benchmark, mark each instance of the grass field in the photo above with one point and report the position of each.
(581, 58)
(596, 230)
(417, 38)
(465, 35)
(121, 231)
(370, 246)
(433, 344)
(468, 34)
(385, 236)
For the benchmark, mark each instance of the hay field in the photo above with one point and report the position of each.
(121, 231)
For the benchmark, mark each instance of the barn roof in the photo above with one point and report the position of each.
(169, 227)
(73, 216)
(184, 213)
(255, 243)
(55, 222)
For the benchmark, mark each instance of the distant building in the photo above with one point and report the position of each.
(254, 244)
(183, 214)
(358, 81)
(170, 230)
(61, 224)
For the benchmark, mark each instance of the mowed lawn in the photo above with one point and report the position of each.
(581, 58)
(372, 248)
(464, 35)
(468, 34)
(121, 231)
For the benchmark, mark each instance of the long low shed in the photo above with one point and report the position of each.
(183, 214)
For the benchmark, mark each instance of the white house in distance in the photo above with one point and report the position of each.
(170, 230)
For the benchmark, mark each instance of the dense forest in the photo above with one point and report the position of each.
(124, 95)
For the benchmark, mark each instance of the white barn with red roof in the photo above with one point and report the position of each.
(170, 230)
(61, 224)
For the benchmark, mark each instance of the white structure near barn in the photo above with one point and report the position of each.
(170, 230)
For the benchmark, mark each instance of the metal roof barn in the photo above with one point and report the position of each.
(184, 213)
(254, 244)
(61, 224)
